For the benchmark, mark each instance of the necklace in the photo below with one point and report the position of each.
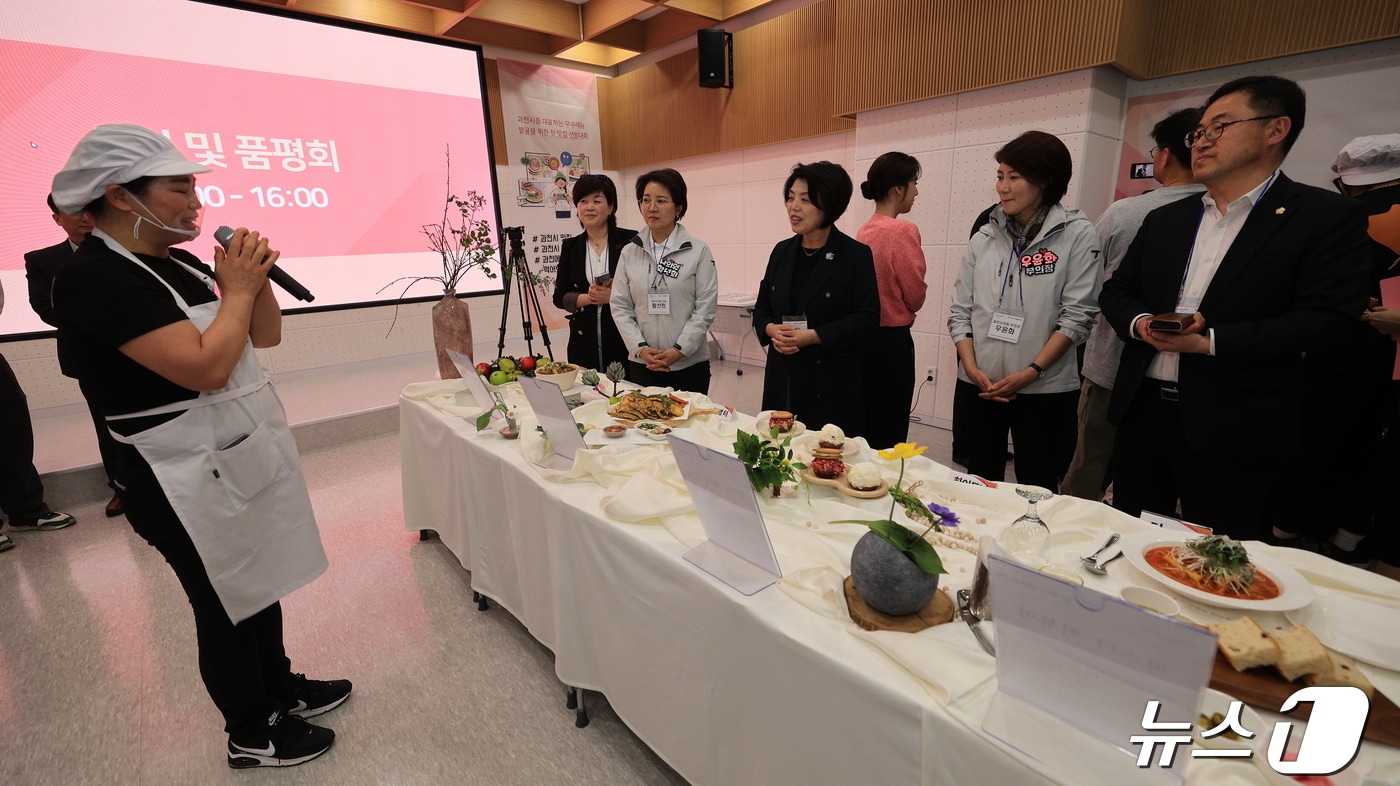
(811, 252)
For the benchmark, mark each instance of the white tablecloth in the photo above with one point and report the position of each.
(780, 687)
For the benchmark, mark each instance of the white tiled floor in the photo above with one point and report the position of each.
(98, 680)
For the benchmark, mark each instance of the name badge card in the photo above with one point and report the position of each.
(1076, 671)
(1006, 326)
(798, 321)
(1167, 522)
(971, 480)
(659, 303)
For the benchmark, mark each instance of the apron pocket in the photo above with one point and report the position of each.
(250, 466)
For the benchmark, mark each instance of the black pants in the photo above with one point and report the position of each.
(889, 386)
(107, 447)
(1154, 467)
(694, 378)
(1384, 540)
(245, 666)
(1041, 424)
(21, 492)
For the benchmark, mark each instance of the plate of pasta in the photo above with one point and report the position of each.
(1217, 570)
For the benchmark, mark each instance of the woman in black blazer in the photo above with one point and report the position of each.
(817, 306)
(587, 262)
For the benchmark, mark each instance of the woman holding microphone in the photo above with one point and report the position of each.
(666, 291)
(893, 183)
(210, 474)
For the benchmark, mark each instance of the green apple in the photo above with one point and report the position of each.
(498, 378)
(506, 364)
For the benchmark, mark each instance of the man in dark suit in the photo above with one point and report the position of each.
(40, 267)
(1267, 269)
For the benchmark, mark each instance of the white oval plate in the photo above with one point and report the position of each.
(1351, 626)
(764, 430)
(1295, 593)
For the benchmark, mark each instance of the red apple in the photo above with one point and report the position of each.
(527, 364)
(484, 369)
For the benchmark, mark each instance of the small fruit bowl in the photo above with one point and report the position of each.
(563, 375)
(614, 431)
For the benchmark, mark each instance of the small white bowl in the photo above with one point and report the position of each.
(1151, 600)
(564, 380)
(654, 430)
(1214, 702)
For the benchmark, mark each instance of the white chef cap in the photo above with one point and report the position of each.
(115, 154)
(1367, 160)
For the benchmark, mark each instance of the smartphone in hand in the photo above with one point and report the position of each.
(1169, 323)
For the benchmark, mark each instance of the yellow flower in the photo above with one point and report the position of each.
(904, 450)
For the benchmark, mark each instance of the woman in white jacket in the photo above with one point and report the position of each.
(1026, 294)
(665, 292)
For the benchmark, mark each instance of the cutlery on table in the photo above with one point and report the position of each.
(1101, 568)
(974, 622)
(1093, 559)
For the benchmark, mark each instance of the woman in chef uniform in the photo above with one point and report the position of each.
(211, 476)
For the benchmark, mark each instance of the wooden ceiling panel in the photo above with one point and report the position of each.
(710, 9)
(600, 16)
(477, 31)
(455, 6)
(553, 17)
(628, 35)
(598, 32)
(671, 26)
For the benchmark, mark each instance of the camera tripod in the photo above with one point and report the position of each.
(518, 266)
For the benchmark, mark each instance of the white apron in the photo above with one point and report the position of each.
(230, 469)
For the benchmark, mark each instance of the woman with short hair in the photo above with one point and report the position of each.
(818, 306)
(892, 183)
(1027, 292)
(666, 291)
(587, 263)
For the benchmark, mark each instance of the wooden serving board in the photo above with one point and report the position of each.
(1264, 687)
(843, 485)
(938, 611)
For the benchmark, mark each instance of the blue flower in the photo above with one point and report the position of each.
(949, 518)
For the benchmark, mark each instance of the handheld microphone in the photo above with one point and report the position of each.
(279, 276)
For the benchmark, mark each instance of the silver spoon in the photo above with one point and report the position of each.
(1101, 569)
(1093, 559)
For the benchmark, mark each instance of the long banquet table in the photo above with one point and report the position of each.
(779, 687)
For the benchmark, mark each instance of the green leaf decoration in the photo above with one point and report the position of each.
(914, 547)
(484, 419)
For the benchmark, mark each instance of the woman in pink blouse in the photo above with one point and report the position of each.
(893, 182)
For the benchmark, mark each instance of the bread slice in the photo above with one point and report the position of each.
(1344, 674)
(1299, 652)
(1245, 645)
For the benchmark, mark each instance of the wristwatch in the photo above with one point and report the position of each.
(1039, 372)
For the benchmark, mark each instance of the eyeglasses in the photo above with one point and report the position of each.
(1213, 131)
(659, 202)
(1152, 151)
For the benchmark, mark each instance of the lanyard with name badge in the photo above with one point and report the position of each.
(659, 303)
(1007, 322)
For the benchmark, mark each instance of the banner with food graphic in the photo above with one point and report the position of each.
(552, 139)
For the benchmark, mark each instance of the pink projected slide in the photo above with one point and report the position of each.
(340, 176)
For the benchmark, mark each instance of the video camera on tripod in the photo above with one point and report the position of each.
(517, 266)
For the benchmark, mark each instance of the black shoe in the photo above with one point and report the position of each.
(288, 741)
(312, 697)
(1359, 556)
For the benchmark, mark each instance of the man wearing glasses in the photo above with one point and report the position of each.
(1217, 300)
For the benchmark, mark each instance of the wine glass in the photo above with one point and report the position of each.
(1028, 536)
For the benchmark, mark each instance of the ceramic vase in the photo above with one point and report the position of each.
(452, 329)
(887, 579)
